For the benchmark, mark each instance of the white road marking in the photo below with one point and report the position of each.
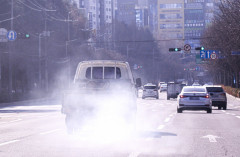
(134, 154)
(161, 127)
(211, 138)
(166, 120)
(49, 132)
(238, 117)
(15, 120)
(223, 111)
(9, 142)
(233, 114)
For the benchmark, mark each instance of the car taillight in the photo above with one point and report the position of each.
(207, 96)
(182, 96)
(223, 94)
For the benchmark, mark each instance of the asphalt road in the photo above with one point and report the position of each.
(39, 131)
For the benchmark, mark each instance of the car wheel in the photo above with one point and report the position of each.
(219, 107)
(225, 107)
(179, 110)
(209, 111)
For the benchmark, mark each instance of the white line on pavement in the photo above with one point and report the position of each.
(233, 114)
(15, 120)
(161, 127)
(48, 132)
(9, 142)
(228, 113)
(238, 117)
(134, 154)
(166, 120)
(223, 111)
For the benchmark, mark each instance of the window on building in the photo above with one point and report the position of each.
(171, 16)
(171, 6)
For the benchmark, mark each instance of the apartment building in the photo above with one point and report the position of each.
(170, 32)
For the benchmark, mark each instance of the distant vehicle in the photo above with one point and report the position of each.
(150, 90)
(140, 91)
(100, 85)
(196, 84)
(194, 98)
(218, 96)
(160, 83)
(173, 89)
(163, 87)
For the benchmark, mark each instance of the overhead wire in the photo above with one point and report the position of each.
(28, 6)
(10, 18)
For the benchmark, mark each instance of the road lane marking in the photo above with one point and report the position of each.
(161, 127)
(211, 138)
(223, 111)
(233, 114)
(238, 117)
(49, 132)
(9, 142)
(17, 120)
(134, 154)
(166, 120)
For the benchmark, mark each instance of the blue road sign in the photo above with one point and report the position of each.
(209, 54)
(235, 52)
(11, 35)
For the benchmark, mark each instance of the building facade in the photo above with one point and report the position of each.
(170, 23)
(194, 21)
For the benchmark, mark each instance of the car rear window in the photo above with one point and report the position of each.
(214, 89)
(97, 73)
(194, 90)
(150, 87)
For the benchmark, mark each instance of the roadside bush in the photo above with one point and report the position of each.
(232, 91)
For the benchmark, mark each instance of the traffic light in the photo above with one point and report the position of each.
(175, 49)
(27, 35)
(23, 35)
(199, 48)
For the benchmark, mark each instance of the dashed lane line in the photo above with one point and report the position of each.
(238, 117)
(9, 142)
(134, 154)
(166, 120)
(49, 132)
(161, 127)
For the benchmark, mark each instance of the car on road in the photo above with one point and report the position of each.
(163, 87)
(218, 96)
(150, 90)
(194, 98)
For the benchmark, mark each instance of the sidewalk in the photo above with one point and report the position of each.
(33, 102)
(233, 99)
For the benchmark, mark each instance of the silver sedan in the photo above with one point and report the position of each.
(194, 98)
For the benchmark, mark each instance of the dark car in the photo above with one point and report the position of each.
(218, 96)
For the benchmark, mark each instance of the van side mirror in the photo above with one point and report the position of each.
(138, 82)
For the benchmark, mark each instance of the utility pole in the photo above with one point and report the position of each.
(46, 54)
(10, 57)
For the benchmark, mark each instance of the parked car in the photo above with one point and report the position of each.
(194, 98)
(163, 87)
(218, 96)
(150, 90)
